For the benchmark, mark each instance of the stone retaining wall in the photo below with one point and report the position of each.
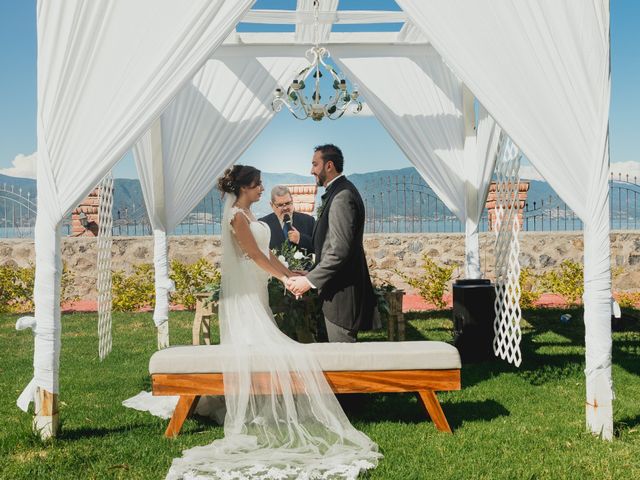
(386, 252)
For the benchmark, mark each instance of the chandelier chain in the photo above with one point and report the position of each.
(316, 21)
(303, 107)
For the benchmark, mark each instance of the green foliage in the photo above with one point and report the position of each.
(529, 287)
(16, 288)
(432, 283)
(566, 280)
(213, 287)
(293, 258)
(135, 291)
(190, 279)
(297, 318)
(381, 288)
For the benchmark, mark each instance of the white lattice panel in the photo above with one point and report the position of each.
(105, 223)
(506, 342)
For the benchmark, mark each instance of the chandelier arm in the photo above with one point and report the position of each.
(302, 106)
(294, 111)
(336, 117)
(329, 67)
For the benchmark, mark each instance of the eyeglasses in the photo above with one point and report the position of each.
(285, 204)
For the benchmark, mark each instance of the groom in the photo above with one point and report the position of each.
(341, 274)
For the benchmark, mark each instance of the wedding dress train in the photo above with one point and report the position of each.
(282, 419)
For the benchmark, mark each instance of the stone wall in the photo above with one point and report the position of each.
(386, 252)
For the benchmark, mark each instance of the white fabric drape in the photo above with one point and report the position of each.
(105, 69)
(479, 164)
(207, 127)
(542, 70)
(427, 124)
(429, 127)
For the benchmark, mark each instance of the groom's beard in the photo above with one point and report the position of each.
(321, 178)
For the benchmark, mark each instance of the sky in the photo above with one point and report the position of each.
(286, 144)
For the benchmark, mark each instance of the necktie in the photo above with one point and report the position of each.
(285, 230)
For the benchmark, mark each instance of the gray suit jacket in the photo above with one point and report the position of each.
(341, 273)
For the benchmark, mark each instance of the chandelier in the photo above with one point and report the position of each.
(302, 107)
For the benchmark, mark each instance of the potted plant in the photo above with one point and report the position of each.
(389, 299)
(298, 318)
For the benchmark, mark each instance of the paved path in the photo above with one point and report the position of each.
(411, 303)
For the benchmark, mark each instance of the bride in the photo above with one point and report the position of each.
(283, 420)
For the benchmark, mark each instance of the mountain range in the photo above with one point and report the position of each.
(128, 200)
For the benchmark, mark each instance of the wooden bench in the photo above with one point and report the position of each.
(366, 367)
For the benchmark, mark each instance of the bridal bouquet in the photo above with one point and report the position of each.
(293, 258)
(298, 318)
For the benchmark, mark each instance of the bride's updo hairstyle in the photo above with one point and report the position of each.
(238, 176)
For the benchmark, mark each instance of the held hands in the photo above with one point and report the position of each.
(294, 235)
(298, 285)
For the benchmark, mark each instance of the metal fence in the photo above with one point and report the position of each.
(394, 204)
(17, 212)
(134, 221)
(406, 204)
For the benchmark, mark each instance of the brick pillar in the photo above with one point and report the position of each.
(89, 206)
(304, 197)
(523, 188)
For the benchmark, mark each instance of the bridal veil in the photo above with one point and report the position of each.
(283, 420)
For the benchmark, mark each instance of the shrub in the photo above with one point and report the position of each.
(432, 283)
(628, 299)
(135, 291)
(529, 292)
(567, 280)
(191, 279)
(16, 288)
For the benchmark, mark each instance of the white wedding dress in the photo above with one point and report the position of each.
(282, 419)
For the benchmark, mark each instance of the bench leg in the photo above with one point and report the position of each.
(206, 329)
(185, 407)
(434, 408)
(197, 325)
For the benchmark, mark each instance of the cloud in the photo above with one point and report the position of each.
(622, 169)
(528, 172)
(24, 166)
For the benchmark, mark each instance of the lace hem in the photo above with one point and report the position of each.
(262, 472)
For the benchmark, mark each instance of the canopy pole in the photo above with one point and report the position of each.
(597, 300)
(471, 246)
(163, 283)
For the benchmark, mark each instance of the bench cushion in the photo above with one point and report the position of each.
(333, 357)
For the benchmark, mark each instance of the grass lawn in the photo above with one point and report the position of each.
(511, 423)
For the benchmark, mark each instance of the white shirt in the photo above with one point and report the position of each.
(329, 184)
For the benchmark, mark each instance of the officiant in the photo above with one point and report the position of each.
(286, 224)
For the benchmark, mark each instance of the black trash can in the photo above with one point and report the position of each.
(473, 316)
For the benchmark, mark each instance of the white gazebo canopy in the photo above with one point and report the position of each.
(189, 93)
